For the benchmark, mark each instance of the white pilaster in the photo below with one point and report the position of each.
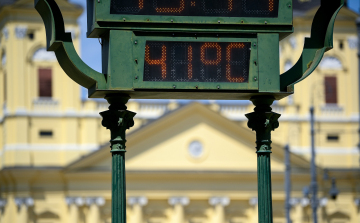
(178, 211)
(137, 204)
(23, 204)
(219, 204)
(94, 203)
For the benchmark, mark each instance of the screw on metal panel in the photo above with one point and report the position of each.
(255, 78)
(217, 34)
(124, 19)
(196, 87)
(255, 62)
(174, 86)
(242, 21)
(172, 20)
(289, 5)
(173, 34)
(265, 22)
(135, 42)
(98, 1)
(147, 19)
(218, 87)
(254, 44)
(136, 77)
(136, 61)
(218, 21)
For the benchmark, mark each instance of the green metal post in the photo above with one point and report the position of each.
(263, 121)
(118, 120)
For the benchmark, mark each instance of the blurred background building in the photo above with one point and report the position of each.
(187, 161)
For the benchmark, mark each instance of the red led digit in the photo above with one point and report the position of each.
(218, 54)
(141, 4)
(228, 59)
(178, 10)
(271, 5)
(161, 61)
(190, 70)
(230, 6)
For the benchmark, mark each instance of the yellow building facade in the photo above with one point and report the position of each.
(186, 162)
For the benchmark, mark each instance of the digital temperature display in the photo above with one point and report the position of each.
(226, 8)
(197, 61)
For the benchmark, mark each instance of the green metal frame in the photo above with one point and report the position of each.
(102, 14)
(321, 40)
(132, 64)
(100, 19)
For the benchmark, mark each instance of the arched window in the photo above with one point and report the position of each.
(331, 63)
(43, 55)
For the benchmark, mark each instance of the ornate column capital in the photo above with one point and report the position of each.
(77, 201)
(263, 121)
(5, 33)
(183, 201)
(118, 120)
(3, 202)
(20, 32)
(253, 201)
(223, 201)
(98, 201)
(141, 201)
(27, 201)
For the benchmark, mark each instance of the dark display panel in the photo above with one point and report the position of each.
(226, 8)
(197, 61)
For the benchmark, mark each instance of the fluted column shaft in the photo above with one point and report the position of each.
(263, 121)
(118, 120)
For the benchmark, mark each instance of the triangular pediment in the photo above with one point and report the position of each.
(166, 145)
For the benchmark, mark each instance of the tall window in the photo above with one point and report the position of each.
(330, 90)
(45, 82)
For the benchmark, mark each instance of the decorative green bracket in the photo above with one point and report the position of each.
(321, 40)
(61, 43)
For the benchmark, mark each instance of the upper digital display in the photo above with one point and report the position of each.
(224, 8)
(197, 61)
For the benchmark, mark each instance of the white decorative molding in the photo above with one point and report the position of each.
(332, 110)
(78, 201)
(43, 55)
(305, 202)
(27, 201)
(50, 147)
(288, 65)
(325, 150)
(331, 63)
(253, 201)
(142, 201)
(5, 33)
(20, 32)
(293, 42)
(179, 200)
(357, 202)
(98, 201)
(294, 201)
(46, 105)
(223, 201)
(353, 42)
(323, 201)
